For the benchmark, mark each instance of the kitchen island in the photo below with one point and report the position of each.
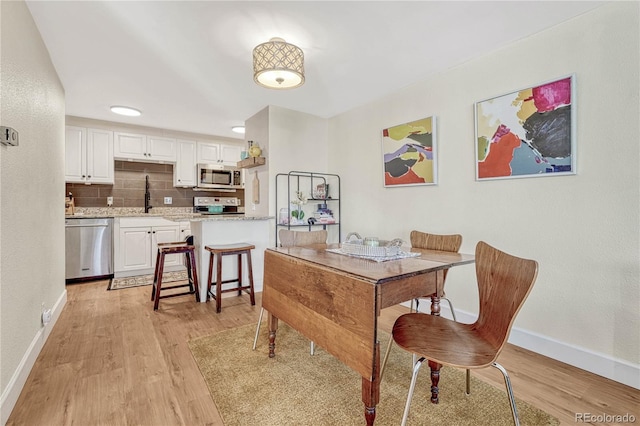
(227, 229)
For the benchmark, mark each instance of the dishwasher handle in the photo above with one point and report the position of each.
(90, 225)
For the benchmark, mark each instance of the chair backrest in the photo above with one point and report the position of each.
(290, 238)
(436, 242)
(504, 282)
(423, 240)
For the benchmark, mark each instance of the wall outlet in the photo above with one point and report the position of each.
(46, 315)
(109, 201)
(168, 200)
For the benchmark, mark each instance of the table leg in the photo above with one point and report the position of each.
(435, 378)
(273, 327)
(435, 305)
(435, 367)
(371, 390)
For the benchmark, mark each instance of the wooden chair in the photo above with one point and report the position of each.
(504, 282)
(290, 238)
(218, 252)
(188, 249)
(450, 243)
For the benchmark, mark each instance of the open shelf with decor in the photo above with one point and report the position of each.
(250, 162)
(308, 200)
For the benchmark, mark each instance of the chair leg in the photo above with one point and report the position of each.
(193, 276)
(255, 339)
(386, 357)
(160, 266)
(219, 283)
(155, 277)
(252, 294)
(468, 389)
(453, 313)
(414, 377)
(512, 400)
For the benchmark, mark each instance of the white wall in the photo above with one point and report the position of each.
(290, 141)
(31, 198)
(583, 229)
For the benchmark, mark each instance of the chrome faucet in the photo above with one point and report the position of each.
(147, 196)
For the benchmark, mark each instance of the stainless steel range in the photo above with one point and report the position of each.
(221, 205)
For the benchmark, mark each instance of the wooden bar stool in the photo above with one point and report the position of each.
(224, 250)
(175, 248)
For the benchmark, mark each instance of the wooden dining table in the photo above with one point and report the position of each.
(335, 300)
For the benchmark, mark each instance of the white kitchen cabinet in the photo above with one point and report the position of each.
(185, 230)
(184, 172)
(134, 146)
(217, 153)
(88, 155)
(136, 245)
(230, 154)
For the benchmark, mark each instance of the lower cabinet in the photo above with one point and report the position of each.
(136, 245)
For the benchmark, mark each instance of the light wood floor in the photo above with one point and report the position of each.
(111, 359)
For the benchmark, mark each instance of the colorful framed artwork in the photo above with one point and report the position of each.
(527, 133)
(409, 153)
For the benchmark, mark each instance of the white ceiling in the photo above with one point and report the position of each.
(187, 65)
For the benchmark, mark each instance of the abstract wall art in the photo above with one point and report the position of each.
(527, 133)
(409, 153)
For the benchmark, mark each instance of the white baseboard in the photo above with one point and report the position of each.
(603, 365)
(12, 391)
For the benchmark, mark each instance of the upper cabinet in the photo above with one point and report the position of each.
(133, 146)
(216, 153)
(88, 155)
(184, 172)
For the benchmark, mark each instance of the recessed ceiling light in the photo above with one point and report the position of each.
(238, 129)
(123, 110)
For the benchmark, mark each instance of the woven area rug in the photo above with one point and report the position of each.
(295, 388)
(127, 282)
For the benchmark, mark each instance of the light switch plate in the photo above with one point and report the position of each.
(168, 200)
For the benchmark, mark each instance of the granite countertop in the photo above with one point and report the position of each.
(176, 214)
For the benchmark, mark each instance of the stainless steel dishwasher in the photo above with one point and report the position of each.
(88, 248)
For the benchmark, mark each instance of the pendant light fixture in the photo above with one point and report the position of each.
(278, 64)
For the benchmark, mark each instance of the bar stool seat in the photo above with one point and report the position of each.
(219, 251)
(175, 248)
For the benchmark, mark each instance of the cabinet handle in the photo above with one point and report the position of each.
(89, 177)
(148, 232)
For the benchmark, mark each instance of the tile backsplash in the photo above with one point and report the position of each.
(128, 188)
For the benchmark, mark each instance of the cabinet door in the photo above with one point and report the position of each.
(230, 154)
(185, 230)
(75, 154)
(166, 234)
(208, 153)
(100, 164)
(161, 149)
(130, 145)
(184, 172)
(135, 248)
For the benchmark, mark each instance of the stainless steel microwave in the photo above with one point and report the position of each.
(218, 176)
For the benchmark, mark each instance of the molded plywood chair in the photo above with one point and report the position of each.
(504, 282)
(450, 243)
(292, 239)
